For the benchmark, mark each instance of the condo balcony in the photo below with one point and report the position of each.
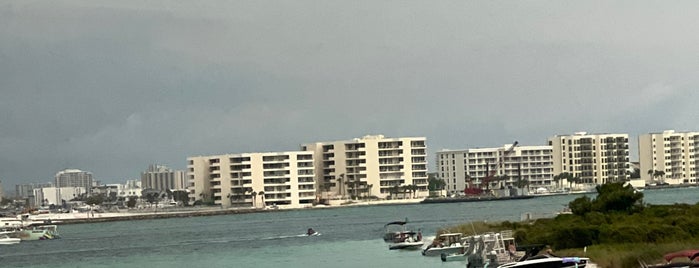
(276, 182)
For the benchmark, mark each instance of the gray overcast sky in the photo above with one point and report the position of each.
(113, 86)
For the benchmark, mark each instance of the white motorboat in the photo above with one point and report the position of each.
(5, 239)
(445, 243)
(407, 240)
(546, 261)
(37, 232)
(489, 248)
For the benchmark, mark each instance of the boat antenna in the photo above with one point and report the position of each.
(474, 229)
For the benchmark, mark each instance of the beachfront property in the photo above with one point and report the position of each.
(74, 178)
(159, 177)
(458, 168)
(47, 196)
(260, 180)
(669, 157)
(593, 158)
(373, 165)
(27, 190)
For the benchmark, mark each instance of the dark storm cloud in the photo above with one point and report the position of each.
(111, 87)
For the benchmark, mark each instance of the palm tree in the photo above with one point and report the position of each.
(262, 196)
(369, 186)
(394, 190)
(352, 185)
(521, 183)
(339, 184)
(414, 188)
(254, 199)
(557, 179)
(660, 174)
(467, 181)
(203, 197)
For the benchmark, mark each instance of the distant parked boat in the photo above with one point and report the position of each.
(691, 254)
(545, 261)
(6, 240)
(393, 229)
(407, 240)
(38, 232)
(445, 243)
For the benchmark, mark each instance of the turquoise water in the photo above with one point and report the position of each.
(351, 236)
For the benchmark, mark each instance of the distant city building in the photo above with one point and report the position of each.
(27, 190)
(284, 179)
(669, 157)
(458, 168)
(55, 196)
(593, 158)
(371, 165)
(163, 178)
(129, 189)
(74, 178)
(108, 190)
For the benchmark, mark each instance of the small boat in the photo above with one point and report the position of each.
(37, 232)
(5, 239)
(312, 232)
(407, 240)
(691, 254)
(393, 229)
(488, 248)
(546, 261)
(445, 243)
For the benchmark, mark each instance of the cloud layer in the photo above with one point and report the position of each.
(113, 87)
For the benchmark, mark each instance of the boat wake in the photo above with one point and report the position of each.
(289, 236)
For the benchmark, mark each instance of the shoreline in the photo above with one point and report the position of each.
(87, 217)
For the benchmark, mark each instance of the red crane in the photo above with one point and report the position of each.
(470, 190)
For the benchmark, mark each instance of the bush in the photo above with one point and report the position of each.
(574, 237)
(596, 218)
(623, 234)
(580, 206)
(617, 197)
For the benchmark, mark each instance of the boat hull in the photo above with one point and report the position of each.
(551, 262)
(406, 245)
(440, 251)
(9, 241)
(46, 232)
(453, 257)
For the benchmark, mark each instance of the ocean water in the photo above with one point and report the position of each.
(351, 236)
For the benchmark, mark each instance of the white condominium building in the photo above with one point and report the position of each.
(669, 157)
(371, 166)
(532, 164)
(593, 158)
(284, 179)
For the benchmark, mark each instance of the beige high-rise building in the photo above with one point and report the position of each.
(371, 166)
(74, 178)
(593, 158)
(669, 157)
(282, 179)
(533, 164)
(162, 178)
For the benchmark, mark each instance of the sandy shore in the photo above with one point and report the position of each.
(89, 217)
